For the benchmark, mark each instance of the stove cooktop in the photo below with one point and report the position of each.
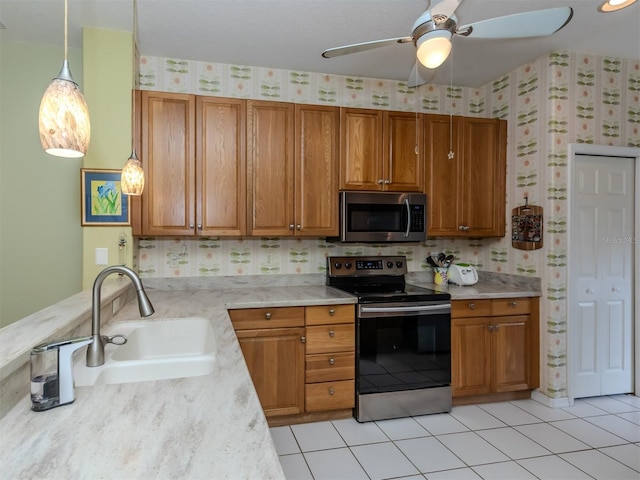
(377, 279)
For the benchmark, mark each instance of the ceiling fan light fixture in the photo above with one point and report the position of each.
(433, 48)
(615, 5)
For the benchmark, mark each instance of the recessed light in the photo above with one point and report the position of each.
(615, 5)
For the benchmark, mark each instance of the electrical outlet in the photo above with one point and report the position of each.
(102, 256)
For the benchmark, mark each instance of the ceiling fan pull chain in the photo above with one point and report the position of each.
(451, 155)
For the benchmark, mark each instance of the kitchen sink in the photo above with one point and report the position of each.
(156, 349)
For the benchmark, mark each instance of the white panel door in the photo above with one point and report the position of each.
(601, 277)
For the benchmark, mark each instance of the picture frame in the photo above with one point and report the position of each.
(102, 200)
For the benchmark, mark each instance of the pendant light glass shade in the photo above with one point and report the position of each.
(63, 121)
(132, 177)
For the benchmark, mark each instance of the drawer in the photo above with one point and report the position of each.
(510, 306)
(470, 308)
(255, 318)
(330, 338)
(330, 367)
(326, 314)
(330, 395)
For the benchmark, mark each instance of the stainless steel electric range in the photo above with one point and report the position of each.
(403, 338)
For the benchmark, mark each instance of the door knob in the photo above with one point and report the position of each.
(589, 291)
(615, 289)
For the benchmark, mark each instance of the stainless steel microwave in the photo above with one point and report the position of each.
(383, 217)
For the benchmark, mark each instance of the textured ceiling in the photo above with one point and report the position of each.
(291, 34)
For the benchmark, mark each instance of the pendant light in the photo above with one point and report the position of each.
(63, 119)
(132, 176)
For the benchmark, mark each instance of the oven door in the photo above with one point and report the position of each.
(403, 346)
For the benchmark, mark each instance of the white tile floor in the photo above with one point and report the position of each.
(596, 438)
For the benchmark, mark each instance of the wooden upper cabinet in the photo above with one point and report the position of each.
(360, 149)
(220, 166)
(443, 177)
(484, 178)
(381, 150)
(168, 158)
(467, 194)
(316, 170)
(270, 150)
(193, 154)
(403, 160)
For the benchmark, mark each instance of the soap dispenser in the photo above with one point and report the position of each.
(52, 373)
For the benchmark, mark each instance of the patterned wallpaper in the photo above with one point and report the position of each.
(559, 99)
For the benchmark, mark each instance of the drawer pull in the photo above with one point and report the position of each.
(332, 312)
(472, 306)
(331, 333)
(332, 361)
(331, 391)
(303, 339)
(514, 304)
(267, 316)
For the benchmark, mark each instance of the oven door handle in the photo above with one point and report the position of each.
(408, 309)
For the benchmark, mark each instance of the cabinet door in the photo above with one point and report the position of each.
(470, 356)
(360, 149)
(275, 358)
(443, 179)
(220, 167)
(511, 350)
(484, 173)
(316, 170)
(168, 158)
(403, 160)
(270, 150)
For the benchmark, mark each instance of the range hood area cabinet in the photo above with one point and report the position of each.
(467, 193)
(193, 154)
(381, 150)
(292, 157)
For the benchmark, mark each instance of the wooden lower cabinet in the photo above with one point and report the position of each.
(301, 359)
(495, 347)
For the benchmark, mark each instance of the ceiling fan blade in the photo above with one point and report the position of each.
(361, 47)
(444, 7)
(419, 75)
(527, 24)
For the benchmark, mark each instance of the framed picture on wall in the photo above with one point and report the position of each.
(102, 200)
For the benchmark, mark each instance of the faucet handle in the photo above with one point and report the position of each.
(117, 339)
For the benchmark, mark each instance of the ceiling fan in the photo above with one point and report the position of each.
(433, 30)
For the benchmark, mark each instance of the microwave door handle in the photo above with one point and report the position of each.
(406, 232)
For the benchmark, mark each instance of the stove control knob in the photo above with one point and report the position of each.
(337, 265)
(389, 264)
(347, 265)
(399, 264)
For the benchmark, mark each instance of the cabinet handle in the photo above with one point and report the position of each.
(589, 291)
(303, 339)
(331, 391)
(191, 226)
(615, 289)
(332, 312)
(298, 227)
(199, 226)
(291, 226)
(472, 306)
(331, 333)
(380, 181)
(493, 328)
(514, 304)
(387, 182)
(267, 315)
(332, 361)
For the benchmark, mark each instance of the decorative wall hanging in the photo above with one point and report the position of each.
(102, 200)
(527, 226)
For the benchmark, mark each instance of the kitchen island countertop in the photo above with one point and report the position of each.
(200, 427)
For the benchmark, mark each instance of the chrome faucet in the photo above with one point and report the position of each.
(95, 351)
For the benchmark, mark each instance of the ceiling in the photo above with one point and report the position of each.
(291, 34)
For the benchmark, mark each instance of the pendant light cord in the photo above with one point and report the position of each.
(66, 12)
(133, 74)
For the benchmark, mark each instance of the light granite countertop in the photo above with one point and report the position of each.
(201, 427)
